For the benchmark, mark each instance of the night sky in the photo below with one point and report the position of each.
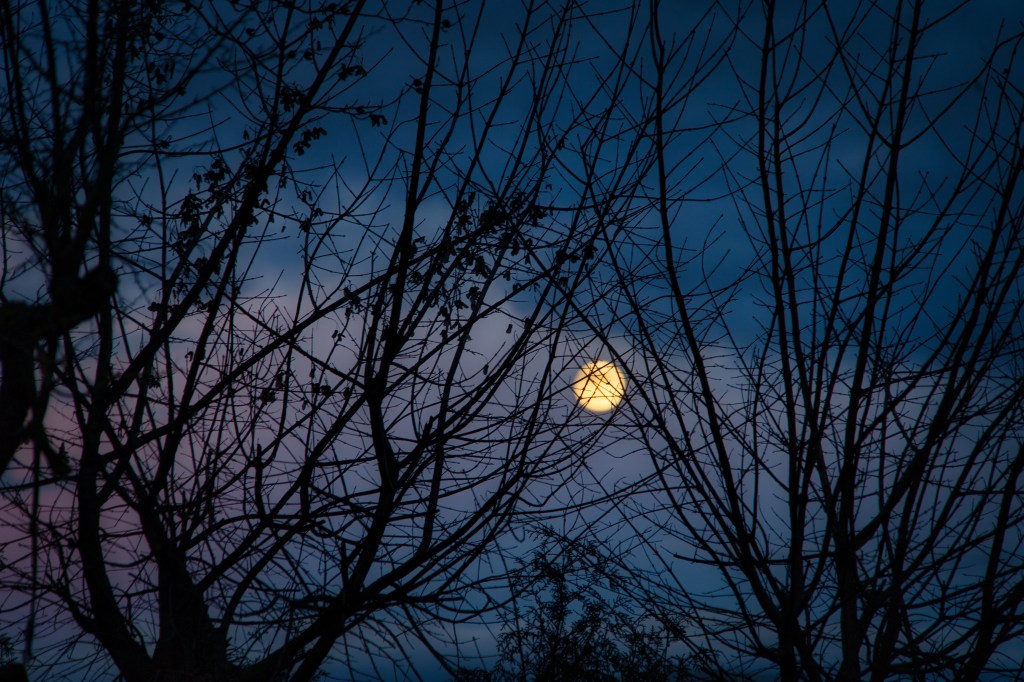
(390, 325)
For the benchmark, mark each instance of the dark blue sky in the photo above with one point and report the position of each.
(340, 212)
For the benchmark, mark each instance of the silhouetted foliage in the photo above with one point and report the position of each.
(575, 618)
(10, 670)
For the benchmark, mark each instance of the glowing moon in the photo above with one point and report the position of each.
(599, 386)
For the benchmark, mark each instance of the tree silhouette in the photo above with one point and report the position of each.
(322, 373)
(293, 295)
(834, 404)
(576, 616)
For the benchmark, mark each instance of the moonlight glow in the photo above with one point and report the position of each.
(599, 386)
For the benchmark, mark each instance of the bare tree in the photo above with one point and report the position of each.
(833, 394)
(285, 309)
(292, 294)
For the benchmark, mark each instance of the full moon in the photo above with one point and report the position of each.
(599, 386)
